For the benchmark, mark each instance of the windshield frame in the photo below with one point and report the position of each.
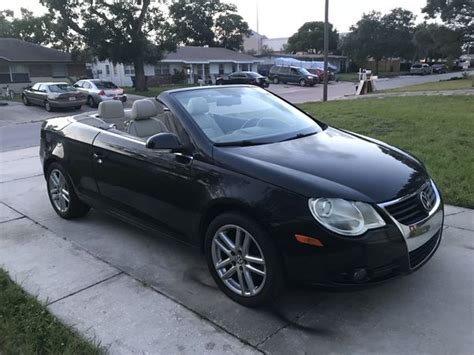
(320, 126)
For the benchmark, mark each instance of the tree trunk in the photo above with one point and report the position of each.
(140, 79)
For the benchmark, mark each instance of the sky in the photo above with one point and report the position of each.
(278, 18)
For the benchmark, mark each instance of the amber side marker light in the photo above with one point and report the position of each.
(308, 240)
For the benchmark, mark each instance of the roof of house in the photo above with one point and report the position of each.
(15, 50)
(207, 54)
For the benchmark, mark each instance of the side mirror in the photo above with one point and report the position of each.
(164, 141)
(75, 86)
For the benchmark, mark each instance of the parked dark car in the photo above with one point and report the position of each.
(244, 77)
(320, 74)
(439, 68)
(53, 95)
(301, 76)
(268, 192)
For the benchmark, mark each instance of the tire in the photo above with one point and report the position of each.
(91, 102)
(75, 208)
(47, 106)
(25, 100)
(267, 282)
(302, 82)
(77, 107)
(276, 80)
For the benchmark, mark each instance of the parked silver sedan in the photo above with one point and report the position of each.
(98, 90)
(53, 95)
(420, 69)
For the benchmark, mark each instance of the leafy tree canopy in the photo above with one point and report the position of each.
(122, 31)
(437, 41)
(207, 22)
(310, 38)
(459, 13)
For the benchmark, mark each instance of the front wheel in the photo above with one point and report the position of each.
(61, 193)
(243, 260)
(276, 80)
(302, 82)
(47, 106)
(25, 100)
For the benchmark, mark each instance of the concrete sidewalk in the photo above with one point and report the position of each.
(138, 292)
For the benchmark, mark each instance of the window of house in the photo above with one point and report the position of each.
(15, 73)
(221, 68)
(107, 69)
(162, 69)
(245, 67)
(115, 70)
(234, 67)
(59, 70)
(129, 70)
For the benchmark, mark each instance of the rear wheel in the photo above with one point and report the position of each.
(90, 101)
(61, 193)
(276, 80)
(77, 107)
(242, 260)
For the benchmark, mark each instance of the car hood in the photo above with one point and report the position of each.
(332, 163)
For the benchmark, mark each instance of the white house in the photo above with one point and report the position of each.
(206, 63)
(120, 74)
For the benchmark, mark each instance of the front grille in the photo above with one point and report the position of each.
(411, 210)
(420, 254)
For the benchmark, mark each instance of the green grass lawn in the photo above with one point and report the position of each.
(26, 327)
(439, 130)
(437, 86)
(156, 90)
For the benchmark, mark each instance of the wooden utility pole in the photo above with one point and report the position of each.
(326, 50)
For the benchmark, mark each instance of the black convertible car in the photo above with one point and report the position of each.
(266, 191)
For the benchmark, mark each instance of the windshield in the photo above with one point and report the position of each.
(245, 116)
(105, 85)
(61, 88)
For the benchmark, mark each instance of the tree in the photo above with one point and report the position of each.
(207, 23)
(458, 14)
(377, 37)
(367, 39)
(117, 30)
(437, 41)
(310, 38)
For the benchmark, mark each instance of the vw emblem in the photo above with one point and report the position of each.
(425, 201)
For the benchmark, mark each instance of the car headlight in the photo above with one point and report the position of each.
(310, 77)
(345, 217)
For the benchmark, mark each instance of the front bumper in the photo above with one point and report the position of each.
(376, 256)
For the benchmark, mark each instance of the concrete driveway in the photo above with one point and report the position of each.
(142, 292)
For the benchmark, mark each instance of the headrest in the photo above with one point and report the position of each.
(158, 106)
(143, 109)
(111, 109)
(198, 106)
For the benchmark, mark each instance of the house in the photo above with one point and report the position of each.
(205, 63)
(24, 63)
(187, 63)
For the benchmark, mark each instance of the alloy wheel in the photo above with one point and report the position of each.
(47, 106)
(238, 260)
(59, 190)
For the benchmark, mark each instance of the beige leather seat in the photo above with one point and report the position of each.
(111, 112)
(165, 117)
(199, 109)
(144, 123)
